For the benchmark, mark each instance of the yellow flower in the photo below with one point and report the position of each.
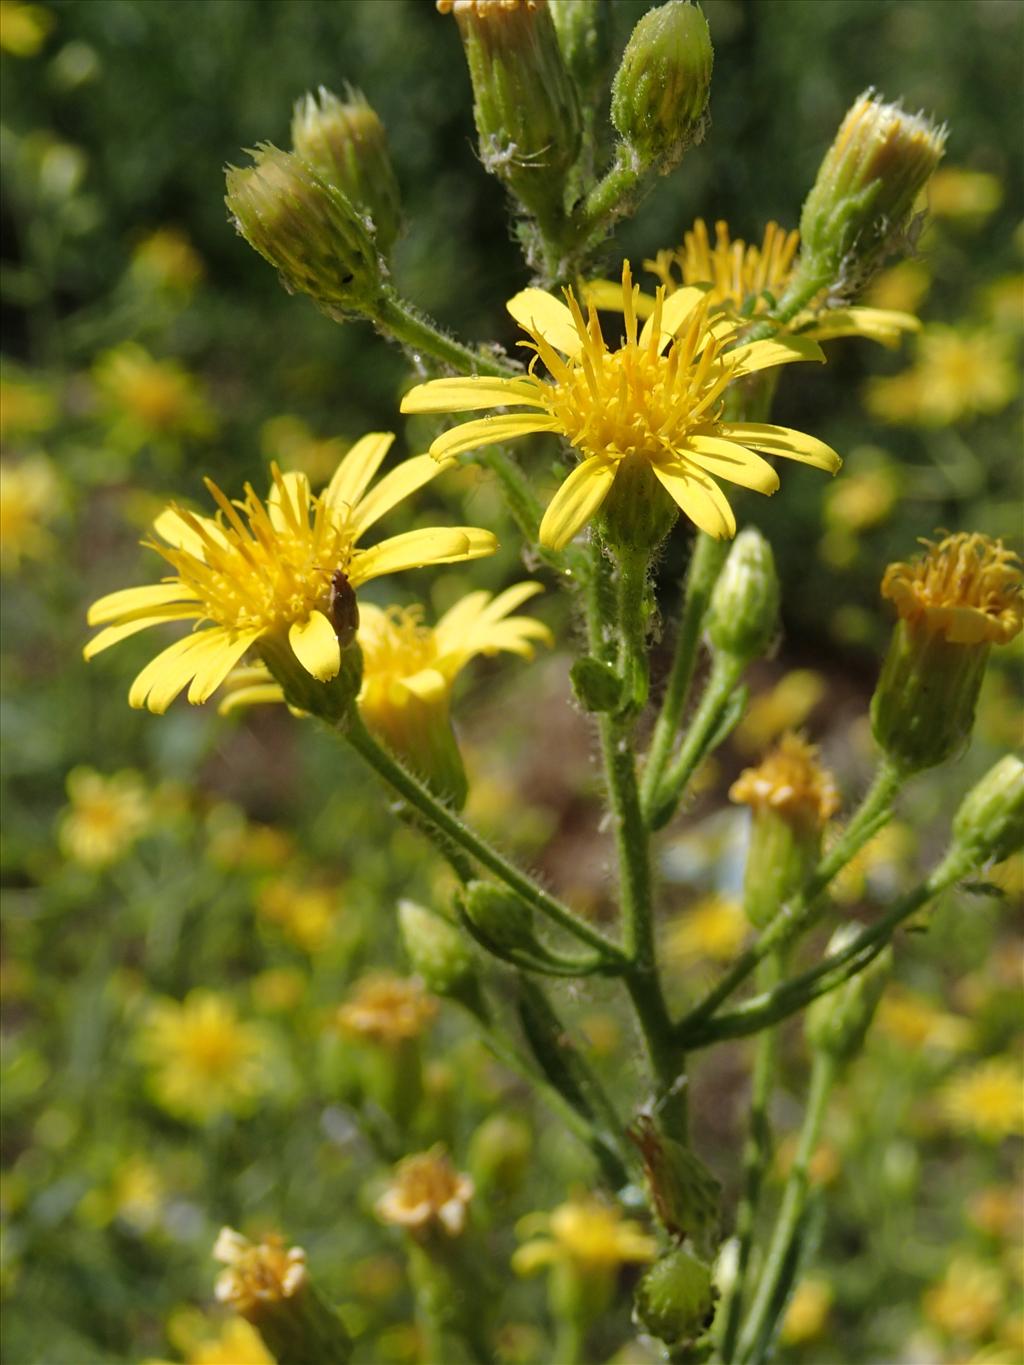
(790, 782)
(807, 1313)
(903, 286)
(307, 914)
(911, 1021)
(967, 1300)
(23, 28)
(586, 1233)
(203, 1060)
(786, 706)
(713, 928)
(234, 1342)
(426, 1192)
(106, 816)
(387, 1009)
(167, 259)
(651, 406)
(967, 588)
(257, 1273)
(995, 1211)
(29, 500)
(987, 1100)
(290, 442)
(956, 375)
(269, 584)
(963, 195)
(748, 280)
(146, 398)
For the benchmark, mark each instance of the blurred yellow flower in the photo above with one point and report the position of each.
(587, 1233)
(996, 1210)
(425, 1193)
(234, 1342)
(306, 914)
(105, 817)
(807, 1313)
(289, 441)
(967, 1301)
(270, 584)
(649, 410)
(27, 405)
(278, 988)
(862, 499)
(134, 1195)
(956, 375)
(388, 1009)
(146, 399)
(712, 929)
(1003, 301)
(963, 195)
(166, 259)
(235, 842)
(910, 1020)
(203, 1060)
(257, 1273)
(791, 782)
(902, 287)
(988, 1099)
(785, 707)
(24, 28)
(824, 1167)
(30, 498)
(882, 861)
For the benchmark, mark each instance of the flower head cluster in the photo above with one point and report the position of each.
(586, 1232)
(257, 1272)
(387, 1009)
(653, 402)
(265, 572)
(790, 782)
(426, 1193)
(105, 817)
(204, 1059)
(966, 588)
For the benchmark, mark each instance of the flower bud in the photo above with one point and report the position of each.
(675, 1300)
(954, 603)
(743, 617)
(524, 102)
(501, 921)
(345, 143)
(990, 821)
(837, 1022)
(438, 953)
(862, 204)
(585, 37)
(499, 1153)
(660, 91)
(307, 229)
(685, 1194)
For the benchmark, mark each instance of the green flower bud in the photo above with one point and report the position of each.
(675, 1300)
(307, 229)
(954, 603)
(660, 92)
(743, 617)
(596, 684)
(862, 204)
(502, 922)
(524, 102)
(584, 29)
(499, 1153)
(345, 143)
(685, 1194)
(837, 1022)
(438, 953)
(990, 821)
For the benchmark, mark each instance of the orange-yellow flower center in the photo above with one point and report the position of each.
(967, 588)
(741, 277)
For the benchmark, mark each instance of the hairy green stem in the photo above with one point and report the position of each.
(705, 564)
(399, 320)
(796, 916)
(632, 612)
(413, 791)
(802, 288)
(755, 1339)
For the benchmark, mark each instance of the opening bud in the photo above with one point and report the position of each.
(954, 602)
(743, 618)
(345, 143)
(675, 1300)
(307, 229)
(990, 821)
(837, 1022)
(524, 102)
(862, 205)
(660, 92)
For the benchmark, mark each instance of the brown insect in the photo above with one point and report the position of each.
(343, 609)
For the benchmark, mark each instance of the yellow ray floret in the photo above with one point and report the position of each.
(966, 588)
(657, 399)
(262, 571)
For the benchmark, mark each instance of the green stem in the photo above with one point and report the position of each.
(758, 1328)
(412, 790)
(399, 320)
(570, 1339)
(792, 919)
(610, 199)
(802, 289)
(756, 1157)
(632, 612)
(705, 564)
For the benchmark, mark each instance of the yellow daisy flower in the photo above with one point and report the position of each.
(276, 582)
(988, 1099)
(585, 1232)
(713, 928)
(105, 816)
(807, 1313)
(748, 280)
(235, 1342)
(146, 399)
(654, 404)
(957, 375)
(425, 1193)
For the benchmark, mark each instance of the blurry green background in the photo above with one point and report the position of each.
(145, 346)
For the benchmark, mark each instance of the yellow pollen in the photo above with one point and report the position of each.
(967, 587)
(742, 277)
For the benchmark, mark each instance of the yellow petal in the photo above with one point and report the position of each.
(465, 395)
(511, 598)
(316, 647)
(795, 445)
(764, 355)
(115, 634)
(413, 549)
(729, 460)
(489, 431)
(352, 477)
(172, 527)
(126, 600)
(539, 312)
(403, 480)
(576, 501)
(534, 1256)
(607, 294)
(699, 496)
(674, 312)
(428, 684)
(215, 661)
(876, 324)
(259, 694)
(288, 501)
(165, 676)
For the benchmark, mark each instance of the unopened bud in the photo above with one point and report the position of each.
(862, 205)
(990, 821)
(524, 102)
(499, 1153)
(837, 1022)
(307, 229)
(675, 1300)
(686, 1195)
(584, 29)
(743, 618)
(437, 952)
(502, 922)
(660, 92)
(345, 143)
